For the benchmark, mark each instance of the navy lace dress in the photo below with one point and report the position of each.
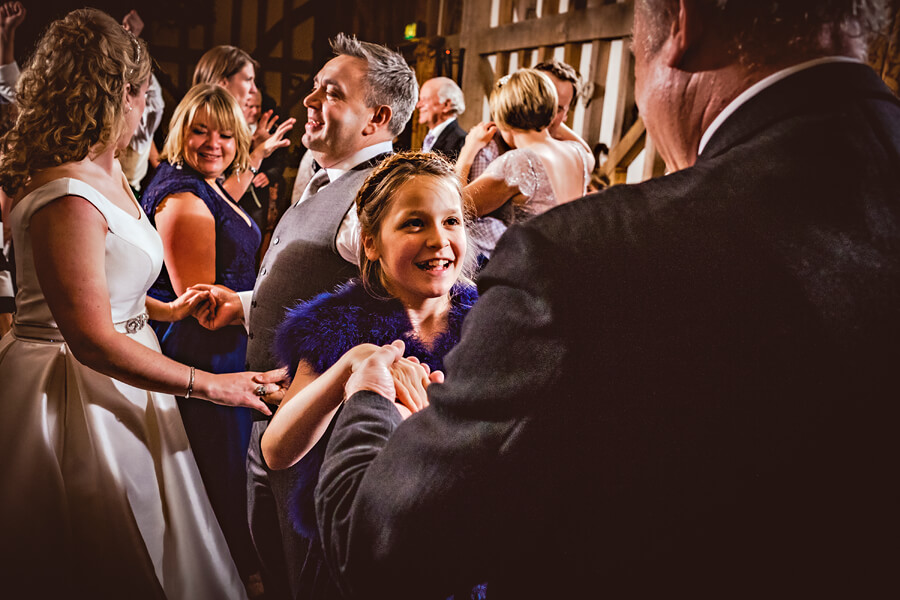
(320, 331)
(219, 435)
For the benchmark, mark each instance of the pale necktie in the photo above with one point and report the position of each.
(318, 181)
(428, 143)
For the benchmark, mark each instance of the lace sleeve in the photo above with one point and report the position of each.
(516, 168)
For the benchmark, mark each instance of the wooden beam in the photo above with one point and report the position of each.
(550, 7)
(654, 165)
(625, 99)
(596, 81)
(475, 14)
(610, 21)
(506, 12)
(622, 154)
(287, 48)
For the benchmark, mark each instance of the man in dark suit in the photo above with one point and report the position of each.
(685, 387)
(361, 99)
(440, 103)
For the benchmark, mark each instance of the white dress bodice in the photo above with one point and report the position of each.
(134, 253)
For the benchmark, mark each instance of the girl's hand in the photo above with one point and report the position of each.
(192, 302)
(411, 380)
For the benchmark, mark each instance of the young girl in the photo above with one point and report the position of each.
(411, 288)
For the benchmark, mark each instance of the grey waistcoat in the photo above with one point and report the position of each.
(301, 262)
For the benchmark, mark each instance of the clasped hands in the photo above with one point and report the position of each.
(214, 307)
(385, 371)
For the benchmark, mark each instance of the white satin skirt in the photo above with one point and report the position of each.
(99, 492)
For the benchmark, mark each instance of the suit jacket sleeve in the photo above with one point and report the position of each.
(417, 512)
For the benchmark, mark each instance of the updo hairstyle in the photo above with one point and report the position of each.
(525, 100)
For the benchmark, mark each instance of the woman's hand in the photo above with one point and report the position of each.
(280, 378)
(235, 389)
(191, 303)
(265, 142)
(224, 307)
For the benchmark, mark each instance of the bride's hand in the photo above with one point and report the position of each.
(191, 302)
(236, 389)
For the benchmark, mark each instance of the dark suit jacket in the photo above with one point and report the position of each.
(451, 141)
(682, 387)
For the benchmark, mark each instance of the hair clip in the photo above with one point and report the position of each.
(502, 81)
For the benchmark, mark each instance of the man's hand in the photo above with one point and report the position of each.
(225, 307)
(374, 373)
(132, 22)
(380, 370)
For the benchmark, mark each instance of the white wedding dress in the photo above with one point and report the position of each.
(99, 492)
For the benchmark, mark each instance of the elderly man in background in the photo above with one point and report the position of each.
(685, 387)
(440, 103)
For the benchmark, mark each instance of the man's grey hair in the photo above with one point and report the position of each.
(389, 80)
(448, 90)
(765, 31)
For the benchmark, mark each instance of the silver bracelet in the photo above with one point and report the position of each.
(190, 384)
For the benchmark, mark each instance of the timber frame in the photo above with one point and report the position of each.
(585, 36)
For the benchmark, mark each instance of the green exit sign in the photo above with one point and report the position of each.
(414, 30)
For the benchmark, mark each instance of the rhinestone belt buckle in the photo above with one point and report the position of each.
(135, 324)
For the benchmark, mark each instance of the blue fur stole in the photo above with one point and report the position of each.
(321, 330)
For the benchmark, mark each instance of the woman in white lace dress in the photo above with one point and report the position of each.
(99, 492)
(538, 173)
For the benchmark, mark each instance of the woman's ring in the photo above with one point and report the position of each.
(260, 390)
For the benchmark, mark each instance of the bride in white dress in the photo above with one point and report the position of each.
(99, 492)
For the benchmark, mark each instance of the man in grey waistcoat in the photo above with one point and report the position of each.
(361, 99)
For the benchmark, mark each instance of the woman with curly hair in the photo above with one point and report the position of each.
(99, 492)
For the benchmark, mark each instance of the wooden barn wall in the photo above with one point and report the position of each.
(473, 41)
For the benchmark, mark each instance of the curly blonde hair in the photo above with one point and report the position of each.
(225, 114)
(71, 96)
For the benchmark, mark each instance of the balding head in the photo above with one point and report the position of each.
(439, 100)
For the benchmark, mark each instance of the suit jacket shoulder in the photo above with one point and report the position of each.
(451, 141)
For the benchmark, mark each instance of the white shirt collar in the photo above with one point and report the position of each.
(438, 129)
(759, 86)
(359, 157)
